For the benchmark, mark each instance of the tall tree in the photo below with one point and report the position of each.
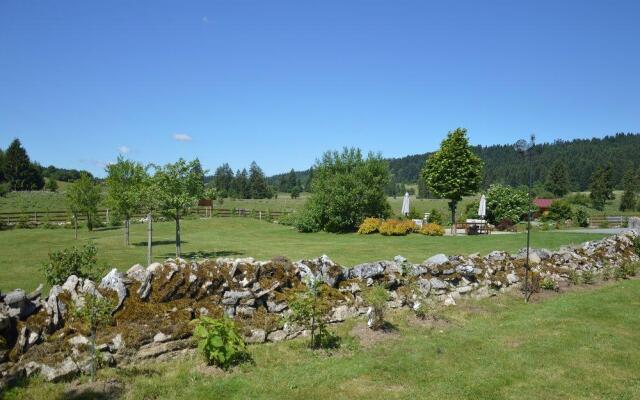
(608, 179)
(258, 186)
(292, 181)
(308, 184)
(2, 166)
(125, 183)
(19, 171)
(223, 180)
(241, 184)
(628, 201)
(558, 179)
(423, 191)
(181, 185)
(83, 197)
(599, 188)
(453, 171)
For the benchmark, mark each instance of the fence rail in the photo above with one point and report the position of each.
(611, 221)
(60, 216)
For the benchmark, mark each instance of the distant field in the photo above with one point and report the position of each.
(24, 251)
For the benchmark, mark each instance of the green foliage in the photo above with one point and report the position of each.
(579, 199)
(631, 268)
(629, 201)
(560, 211)
(548, 284)
(4, 189)
(607, 272)
(125, 181)
(506, 203)
(219, 341)
(51, 185)
(600, 188)
(435, 217)
(558, 179)
(94, 312)
(376, 297)
(258, 187)
(73, 261)
(19, 171)
(581, 218)
(620, 273)
(181, 186)
(454, 170)
(346, 188)
(83, 197)
(574, 277)
(588, 277)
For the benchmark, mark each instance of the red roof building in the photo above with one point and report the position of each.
(543, 204)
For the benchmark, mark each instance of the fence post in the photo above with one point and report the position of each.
(36, 216)
(107, 217)
(260, 212)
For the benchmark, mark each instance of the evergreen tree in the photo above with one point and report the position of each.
(628, 201)
(608, 179)
(258, 187)
(223, 180)
(291, 181)
(423, 191)
(599, 188)
(2, 166)
(454, 170)
(307, 185)
(241, 184)
(19, 171)
(558, 179)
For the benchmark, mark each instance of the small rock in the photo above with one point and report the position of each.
(438, 259)
(257, 336)
(512, 278)
(78, 340)
(161, 337)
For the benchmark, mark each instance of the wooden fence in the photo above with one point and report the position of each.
(609, 221)
(61, 216)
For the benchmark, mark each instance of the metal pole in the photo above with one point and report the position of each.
(149, 237)
(526, 268)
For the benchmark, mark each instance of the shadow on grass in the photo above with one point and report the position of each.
(158, 243)
(205, 254)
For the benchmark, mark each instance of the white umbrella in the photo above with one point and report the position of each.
(405, 204)
(482, 210)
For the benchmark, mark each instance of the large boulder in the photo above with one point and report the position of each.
(19, 304)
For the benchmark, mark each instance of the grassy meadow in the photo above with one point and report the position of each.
(25, 250)
(579, 345)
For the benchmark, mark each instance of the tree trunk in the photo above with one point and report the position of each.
(89, 222)
(177, 236)
(149, 237)
(126, 231)
(453, 204)
(75, 226)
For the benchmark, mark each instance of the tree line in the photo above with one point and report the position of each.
(252, 184)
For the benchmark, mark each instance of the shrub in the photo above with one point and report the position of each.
(560, 211)
(4, 189)
(549, 284)
(308, 310)
(620, 273)
(606, 273)
(67, 262)
(574, 277)
(579, 199)
(636, 245)
(630, 269)
(505, 203)
(305, 221)
(346, 187)
(219, 341)
(588, 277)
(421, 310)
(505, 225)
(369, 225)
(435, 217)
(413, 213)
(432, 230)
(376, 297)
(94, 313)
(394, 227)
(581, 218)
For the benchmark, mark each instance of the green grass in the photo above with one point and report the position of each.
(581, 345)
(24, 251)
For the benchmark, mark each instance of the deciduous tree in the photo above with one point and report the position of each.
(83, 197)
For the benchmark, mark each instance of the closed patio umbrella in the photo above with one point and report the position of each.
(405, 205)
(482, 209)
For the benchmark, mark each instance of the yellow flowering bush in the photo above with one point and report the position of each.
(432, 230)
(369, 225)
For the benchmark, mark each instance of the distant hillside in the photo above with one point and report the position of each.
(502, 164)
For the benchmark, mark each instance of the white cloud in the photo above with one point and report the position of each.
(182, 137)
(123, 149)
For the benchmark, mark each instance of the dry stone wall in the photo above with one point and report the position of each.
(155, 304)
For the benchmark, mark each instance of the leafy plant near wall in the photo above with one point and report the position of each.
(219, 341)
(376, 297)
(80, 262)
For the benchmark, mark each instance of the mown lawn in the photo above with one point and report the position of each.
(24, 251)
(580, 345)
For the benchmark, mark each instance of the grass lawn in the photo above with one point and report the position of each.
(580, 345)
(24, 251)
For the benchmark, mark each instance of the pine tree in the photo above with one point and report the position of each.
(558, 179)
(628, 201)
(241, 184)
(19, 172)
(292, 181)
(2, 166)
(608, 179)
(599, 188)
(423, 191)
(223, 180)
(258, 187)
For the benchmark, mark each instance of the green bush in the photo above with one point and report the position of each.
(579, 199)
(581, 218)
(346, 188)
(219, 341)
(506, 203)
(376, 297)
(549, 284)
(606, 273)
(620, 273)
(560, 211)
(4, 189)
(574, 277)
(630, 269)
(67, 262)
(588, 277)
(435, 217)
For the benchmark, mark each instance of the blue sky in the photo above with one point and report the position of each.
(280, 82)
